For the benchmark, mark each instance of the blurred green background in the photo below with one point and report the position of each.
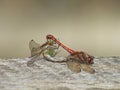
(88, 25)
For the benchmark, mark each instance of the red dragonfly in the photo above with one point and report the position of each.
(80, 56)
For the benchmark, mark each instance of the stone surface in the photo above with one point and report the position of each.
(44, 75)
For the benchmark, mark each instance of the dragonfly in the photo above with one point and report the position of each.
(81, 56)
(37, 50)
(75, 61)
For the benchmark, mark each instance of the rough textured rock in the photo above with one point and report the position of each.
(44, 75)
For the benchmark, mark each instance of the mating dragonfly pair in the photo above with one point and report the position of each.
(76, 61)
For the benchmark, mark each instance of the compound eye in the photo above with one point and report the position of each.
(49, 36)
(90, 60)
